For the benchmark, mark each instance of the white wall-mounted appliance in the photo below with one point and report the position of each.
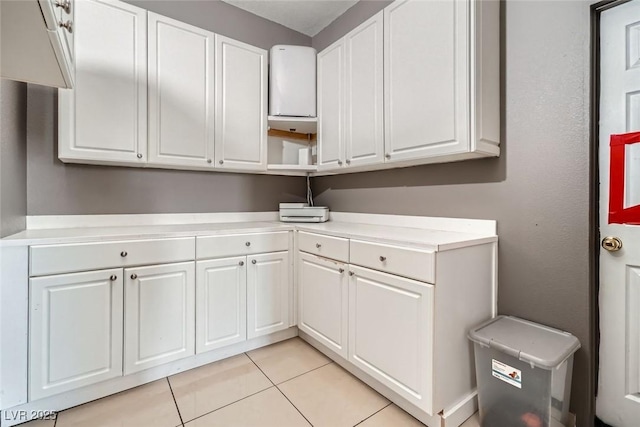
(292, 81)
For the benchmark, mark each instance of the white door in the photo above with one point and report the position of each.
(364, 105)
(391, 332)
(268, 280)
(426, 82)
(75, 331)
(331, 106)
(618, 398)
(181, 89)
(221, 303)
(104, 118)
(323, 299)
(159, 316)
(241, 105)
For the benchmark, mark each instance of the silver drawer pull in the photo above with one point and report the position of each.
(383, 258)
(123, 254)
(134, 276)
(253, 261)
(351, 273)
(241, 263)
(64, 5)
(113, 277)
(66, 25)
(318, 245)
(341, 270)
(248, 244)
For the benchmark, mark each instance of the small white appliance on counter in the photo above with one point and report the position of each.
(292, 81)
(302, 212)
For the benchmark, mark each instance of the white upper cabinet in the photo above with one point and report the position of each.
(181, 93)
(441, 71)
(331, 106)
(104, 118)
(241, 105)
(364, 105)
(426, 78)
(37, 41)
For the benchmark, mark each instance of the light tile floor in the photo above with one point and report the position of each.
(288, 384)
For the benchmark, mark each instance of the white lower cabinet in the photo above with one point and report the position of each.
(221, 303)
(75, 331)
(323, 301)
(268, 282)
(391, 332)
(159, 319)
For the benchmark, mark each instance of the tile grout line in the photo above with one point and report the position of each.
(278, 388)
(379, 410)
(175, 402)
(230, 403)
(294, 406)
(305, 373)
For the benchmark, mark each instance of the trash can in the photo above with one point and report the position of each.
(523, 372)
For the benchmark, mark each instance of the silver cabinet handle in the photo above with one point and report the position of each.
(253, 261)
(123, 254)
(134, 276)
(351, 273)
(248, 244)
(383, 258)
(113, 277)
(318, 245)
(339, 162)
(66, 25)
(139, 156)
(241, 263)
(388, 156)
(348, 161)
(221, 161)
(341, 270)
(209, 160)
(64, 5)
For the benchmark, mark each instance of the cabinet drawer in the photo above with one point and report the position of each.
(413, 263)
(55, 259)
(325, 246)
(241, 244)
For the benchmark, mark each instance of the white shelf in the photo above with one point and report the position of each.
(303, 125)
(297, 168)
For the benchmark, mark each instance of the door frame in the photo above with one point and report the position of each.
(594, 193)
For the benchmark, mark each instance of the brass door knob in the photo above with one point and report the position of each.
(612, 244)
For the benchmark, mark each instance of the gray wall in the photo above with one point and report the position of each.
(538, 190)
(55, 188)
(13, 151)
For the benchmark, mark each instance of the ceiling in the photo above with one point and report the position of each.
(306, 16)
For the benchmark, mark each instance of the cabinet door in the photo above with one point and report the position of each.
(323, 298)
(159, 323)
(221, 303)
(426, 78)
(364, 93)
(241, 105)
(75, 331)
(268, 280)
(391, 332)
(181, 88)
(104, 118)
(331, 106)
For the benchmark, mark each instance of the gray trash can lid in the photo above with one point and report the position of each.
(531, 342)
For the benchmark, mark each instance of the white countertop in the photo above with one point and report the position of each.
(409, 236)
